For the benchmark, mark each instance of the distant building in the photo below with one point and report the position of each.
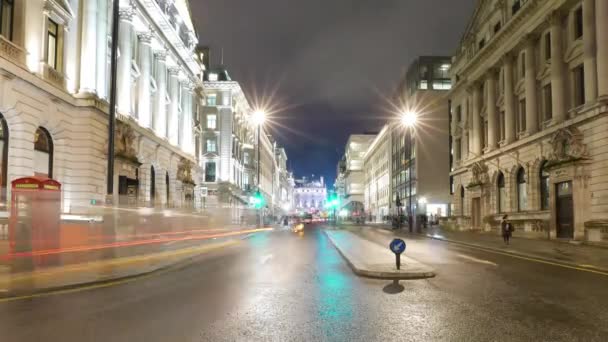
(423, 91)
(353, 177)
(310, 195)
(377, 175)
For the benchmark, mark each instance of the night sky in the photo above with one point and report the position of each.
(326, 66)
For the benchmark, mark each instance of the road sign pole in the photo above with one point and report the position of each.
(398, 261)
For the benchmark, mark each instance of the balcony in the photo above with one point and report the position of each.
(11, 51)
(170, 11)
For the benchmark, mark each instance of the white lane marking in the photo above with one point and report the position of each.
(470, 258)
(265, 258)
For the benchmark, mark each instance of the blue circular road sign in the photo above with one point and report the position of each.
(397, 246)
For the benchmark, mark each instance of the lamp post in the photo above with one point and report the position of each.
(408, 120)
(259, 116)
(112, 114)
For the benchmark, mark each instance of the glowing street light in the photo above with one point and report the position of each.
(258, 117)
(409, 118)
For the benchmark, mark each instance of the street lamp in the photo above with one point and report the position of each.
(258, 118)
(408, 121)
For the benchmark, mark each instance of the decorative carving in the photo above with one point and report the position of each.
(145, 37)
(184, 171)
(480, 174)
(126, 13)
(12, 51)
(567, 144)
(124, 141)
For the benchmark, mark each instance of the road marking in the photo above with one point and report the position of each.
(511, 254)
(470, 258)
(121, 281)
(265, 258)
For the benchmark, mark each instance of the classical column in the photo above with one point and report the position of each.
(530, 84)
(476, 120)
(143, 83)
(492, 110)
(467, 128)
(123, 86)
(88, 54)
(558, 84)
(159, 119)
(601, 19)
(183, 117)
(589, 50)
(102, 48)
(509, 99)
(188, 120)
(173, 115)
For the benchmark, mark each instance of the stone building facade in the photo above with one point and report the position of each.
(310, 195)
(54, 66)
(530, 118)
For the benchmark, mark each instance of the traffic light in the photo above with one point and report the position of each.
(257, 200)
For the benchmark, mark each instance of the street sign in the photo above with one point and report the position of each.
(204, 192)
(397, 246)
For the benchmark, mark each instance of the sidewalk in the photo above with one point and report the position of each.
(371, 260)
(582, 256)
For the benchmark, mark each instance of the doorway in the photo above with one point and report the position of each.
(127, 190)
(564, 209)
(476, 212)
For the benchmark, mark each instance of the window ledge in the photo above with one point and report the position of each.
(53, 76)
(12, 52)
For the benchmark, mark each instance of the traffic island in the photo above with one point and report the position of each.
(371, 260)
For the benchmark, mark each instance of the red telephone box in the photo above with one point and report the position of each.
(34, 224)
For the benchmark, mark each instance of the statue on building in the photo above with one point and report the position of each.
(567, 144)
(480, 174)
(184, 171)
(124, 141)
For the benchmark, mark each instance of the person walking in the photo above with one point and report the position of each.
(506, 229)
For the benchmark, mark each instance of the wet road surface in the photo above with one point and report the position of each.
(282, 286)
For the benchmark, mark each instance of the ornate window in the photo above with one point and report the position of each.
(7, 10)
(522, 193)
(52, 42)
(544, 187)
(502, 193)
(43, 153)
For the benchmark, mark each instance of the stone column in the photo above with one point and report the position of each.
(492, 110)
(509, 99)
(173, 115)
(123, 85)
(558, 83)
(467, 128)
(601, 19)
(102, 48)
(530, 84)
(159, 119)
(143, 86)
(188, 121)
(589, 49)
(183, 138)
(88, 50)
(476, 120)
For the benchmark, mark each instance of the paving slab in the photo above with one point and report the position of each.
(371, 260)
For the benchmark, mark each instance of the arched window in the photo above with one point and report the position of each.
(522, 194)
(461, 200)
(544, 187)
(167, 187)
(502, 193)
(43, 153)
(3, 159)
(152, 185)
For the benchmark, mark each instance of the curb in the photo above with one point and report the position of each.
(177, 265)
(379, 274)
(520, 254)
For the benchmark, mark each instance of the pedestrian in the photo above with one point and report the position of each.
(507, 229)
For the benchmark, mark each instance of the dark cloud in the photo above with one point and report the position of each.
(330, 61)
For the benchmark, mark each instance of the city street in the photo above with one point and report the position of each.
(284, 286)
